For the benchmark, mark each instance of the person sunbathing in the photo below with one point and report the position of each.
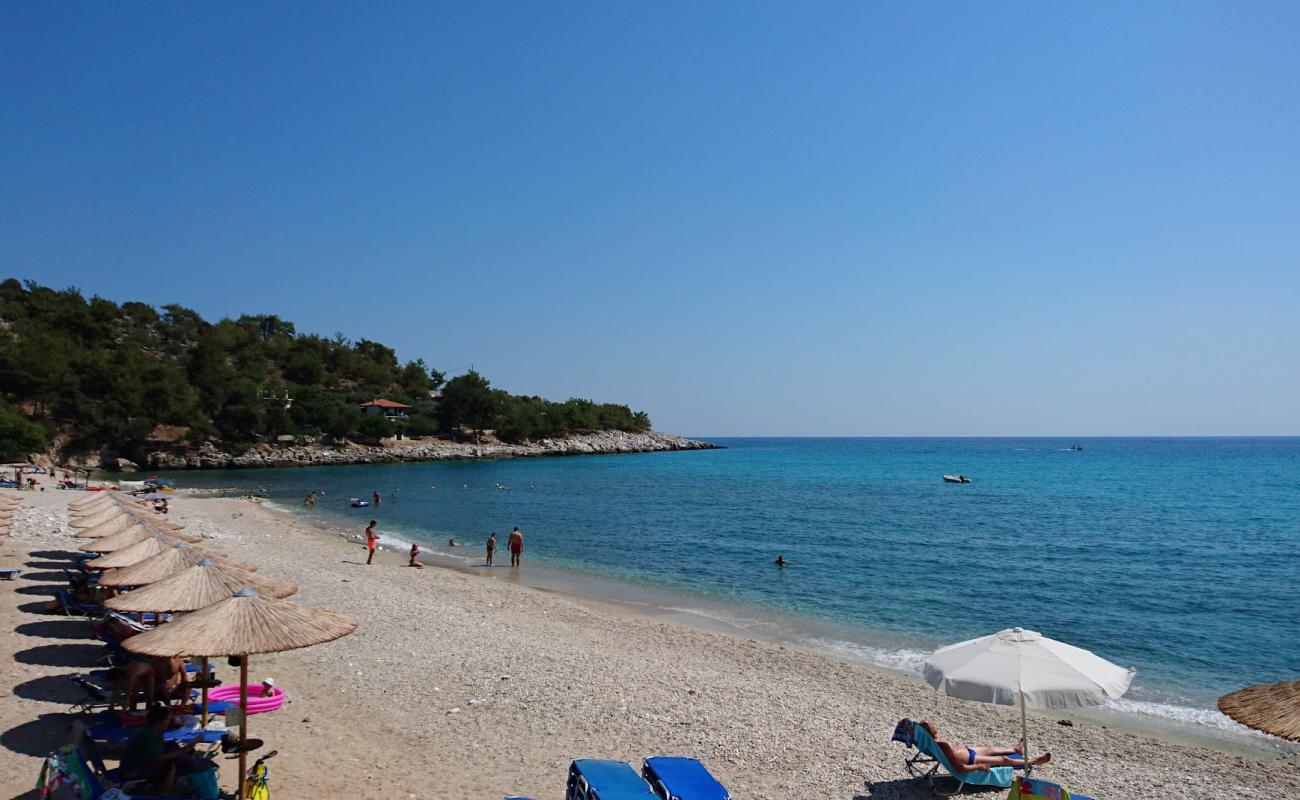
(983, 757)
(131, 680)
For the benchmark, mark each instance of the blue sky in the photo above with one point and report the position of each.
(745, 218)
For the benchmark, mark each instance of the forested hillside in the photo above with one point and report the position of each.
(90, 375)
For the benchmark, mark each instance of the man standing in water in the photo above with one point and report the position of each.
(491, 547)
(516, 546)
(372, 541)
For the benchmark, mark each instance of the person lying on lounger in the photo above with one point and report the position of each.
(978, 759)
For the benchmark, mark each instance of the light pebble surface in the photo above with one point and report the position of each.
(462, 686)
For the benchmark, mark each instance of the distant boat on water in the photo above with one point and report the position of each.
(1074, 448)
(956, 479)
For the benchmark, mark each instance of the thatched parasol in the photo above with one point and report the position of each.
(1273, 708)
(96, 501)
(126, 538)
(124, 520)
(132, 555)
(242, 626)
(170, 561)
(196, 587)
(99, 515)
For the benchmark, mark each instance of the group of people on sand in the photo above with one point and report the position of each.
(515, 544)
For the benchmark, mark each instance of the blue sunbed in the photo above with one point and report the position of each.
(118, 734)
(598, 779)
(71, 605)
(929, 757)
(676, 778)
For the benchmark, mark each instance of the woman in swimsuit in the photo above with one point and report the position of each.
(979, 759)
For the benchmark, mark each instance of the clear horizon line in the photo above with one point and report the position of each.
(1005, 436)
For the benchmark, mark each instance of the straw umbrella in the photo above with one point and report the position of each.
(195, 587)
(174, 559)
(1273, 708)
(97, 501)
(126, 538)
(125, 520)
(93, 518)
(199, 586)
(243, 625)
(1017, 666)
(134, 554)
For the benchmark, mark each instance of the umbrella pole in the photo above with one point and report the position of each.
(243, 721)
(1024, 731)
(203, 681)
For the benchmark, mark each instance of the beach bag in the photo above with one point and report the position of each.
(204, 784)
(63, 776)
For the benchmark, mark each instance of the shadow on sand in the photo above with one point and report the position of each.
(39, 736)
(78, 629)
(61, 655)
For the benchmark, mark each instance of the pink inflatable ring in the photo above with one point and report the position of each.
(256, 703)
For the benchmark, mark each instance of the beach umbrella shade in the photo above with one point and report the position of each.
(95, 500)
(1273, 708)
(92, 517)
(123, 521)
(177, 557)
(244, 625)
(1018, 666)
(154, 545)
(198, 586)
(126, 538)
(99, 515)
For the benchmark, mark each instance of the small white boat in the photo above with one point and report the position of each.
(956, 479)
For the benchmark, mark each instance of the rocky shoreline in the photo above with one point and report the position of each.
(208, 456)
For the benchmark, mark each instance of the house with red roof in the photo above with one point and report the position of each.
(389, 408)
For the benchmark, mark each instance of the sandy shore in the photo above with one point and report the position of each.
(463, 685)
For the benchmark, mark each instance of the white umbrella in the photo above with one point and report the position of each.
(1020, 666)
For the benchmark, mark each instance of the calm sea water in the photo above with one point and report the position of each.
(1180, 557)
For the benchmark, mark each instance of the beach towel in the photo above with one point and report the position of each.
(1026, 788)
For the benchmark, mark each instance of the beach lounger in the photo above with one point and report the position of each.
(103, 778)
(1027, 788)
(72, 606)
(116, 734)
(597, 779)
(675, 778)
(9, 573)
(97, 697)
(929, 758)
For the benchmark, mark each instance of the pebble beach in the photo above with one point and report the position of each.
(470, 685)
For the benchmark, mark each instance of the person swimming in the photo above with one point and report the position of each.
(780, 560)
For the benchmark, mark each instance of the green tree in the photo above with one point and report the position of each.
(468, 402)
(375, 426)
(19, 436)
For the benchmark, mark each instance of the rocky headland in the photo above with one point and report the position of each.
(209, 456)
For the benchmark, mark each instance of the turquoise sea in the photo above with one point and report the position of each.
(1180, 557)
